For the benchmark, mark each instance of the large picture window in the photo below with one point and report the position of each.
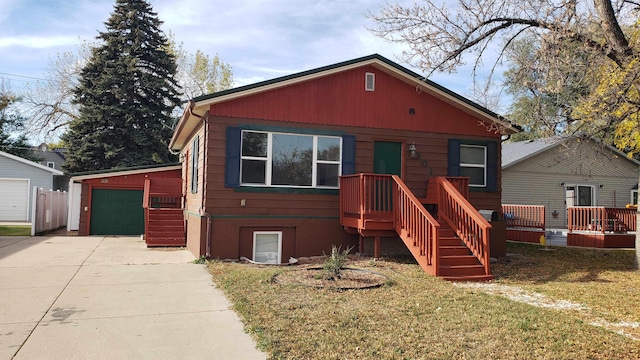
(473, 163)
(290, 160)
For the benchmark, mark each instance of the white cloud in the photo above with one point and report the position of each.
(38, 42)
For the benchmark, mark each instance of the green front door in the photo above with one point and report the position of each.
(387, 158)
(116, 212)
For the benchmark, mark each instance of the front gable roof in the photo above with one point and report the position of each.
(517, 152)
(190, 118)
(30, 163)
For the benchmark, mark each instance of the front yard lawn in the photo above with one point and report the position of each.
(564, 304)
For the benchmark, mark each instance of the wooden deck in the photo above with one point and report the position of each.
(597, 227)
(456, 248)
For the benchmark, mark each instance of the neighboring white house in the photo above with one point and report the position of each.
(560, 174)
(18, 176)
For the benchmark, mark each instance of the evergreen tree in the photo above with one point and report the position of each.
(126, 94)
(12, 123)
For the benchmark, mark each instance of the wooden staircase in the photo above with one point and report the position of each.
(454, 248)
(163, 213)
(457, 263)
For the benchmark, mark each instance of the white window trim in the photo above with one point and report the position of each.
(483, 166)
(195, 162)
(631, 197)
(51, 164)
(255, 238)
(269, 159)
(576, 192)
(366, 81)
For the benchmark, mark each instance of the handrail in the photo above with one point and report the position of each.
(163, 191)
(411, 218)
(524, 216)
(465, 220)
(601, 219)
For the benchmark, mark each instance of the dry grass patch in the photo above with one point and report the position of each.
(421, 317)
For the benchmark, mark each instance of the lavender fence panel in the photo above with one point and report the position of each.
(51, 210)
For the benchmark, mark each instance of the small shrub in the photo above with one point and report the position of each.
(334, 263)
(201, 260)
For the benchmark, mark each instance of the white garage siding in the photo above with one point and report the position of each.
(14, 199)
(16, 168)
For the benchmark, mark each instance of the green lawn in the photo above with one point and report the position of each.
(15, 230)
(422, 317)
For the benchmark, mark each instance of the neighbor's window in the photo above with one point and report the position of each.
(473, 163)
(634, 197)
(51, 164)
(282, 159)
(195, 150)
(267, 246)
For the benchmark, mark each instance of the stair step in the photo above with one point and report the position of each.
(468, 278)
(450, 241)
(454, 250)
(447, 232)
(461, 270)
(459, 260)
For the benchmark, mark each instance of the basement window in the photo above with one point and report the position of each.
(369, 81)
(267, 247)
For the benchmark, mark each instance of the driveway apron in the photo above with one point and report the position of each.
(112, 298)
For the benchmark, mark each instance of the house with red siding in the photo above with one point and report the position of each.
(362, 153)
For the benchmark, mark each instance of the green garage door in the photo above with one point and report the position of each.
(116, 212)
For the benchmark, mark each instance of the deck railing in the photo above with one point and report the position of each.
(524, 216)
(601, 219)
(376, 196)
(413, 221)
(162, 193)
(465, 220)
(366, 196)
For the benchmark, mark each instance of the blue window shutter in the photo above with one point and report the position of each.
(232, 165)
(454, 157)
(195, 162)
(492, 166)
(348, 154)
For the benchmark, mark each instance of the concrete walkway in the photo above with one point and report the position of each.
(111, 298)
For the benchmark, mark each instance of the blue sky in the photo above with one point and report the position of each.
(259, 39)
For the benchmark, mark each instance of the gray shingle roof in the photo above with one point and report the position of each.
(515, 152)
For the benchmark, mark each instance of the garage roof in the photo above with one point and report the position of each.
(31, 163)
(124, 171)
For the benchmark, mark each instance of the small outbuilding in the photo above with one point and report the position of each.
(110, 202)
(18, 176)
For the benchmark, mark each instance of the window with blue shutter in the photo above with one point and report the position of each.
(477, 160)
(267, 158)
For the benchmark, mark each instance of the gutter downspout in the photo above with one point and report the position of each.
(202, 211)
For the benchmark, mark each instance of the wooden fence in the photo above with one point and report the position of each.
(49, 210)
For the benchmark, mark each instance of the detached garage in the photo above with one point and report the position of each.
(109, 202)
(18, 176)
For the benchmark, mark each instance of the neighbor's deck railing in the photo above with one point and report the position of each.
(601, 219)
(465, 220)
(524, 216)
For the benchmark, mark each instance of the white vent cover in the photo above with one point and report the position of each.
(369, 81)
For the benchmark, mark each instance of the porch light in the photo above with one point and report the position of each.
(413, 153)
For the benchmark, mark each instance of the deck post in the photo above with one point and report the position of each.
(361, 244)
(376, 247)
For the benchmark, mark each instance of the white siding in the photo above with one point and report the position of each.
(41, 178)
(538, 180)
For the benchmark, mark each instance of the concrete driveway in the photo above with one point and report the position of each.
(111, 298)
